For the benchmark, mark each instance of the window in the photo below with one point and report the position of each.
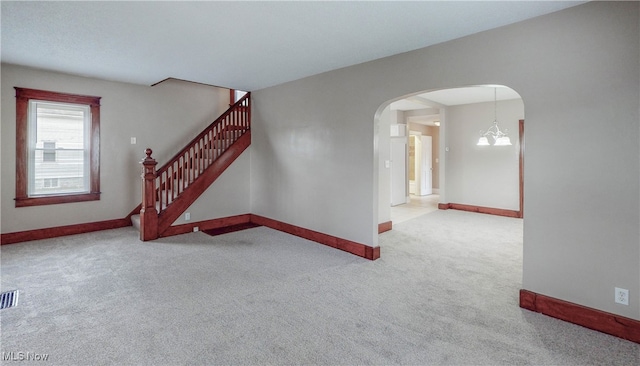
(51, 183)
(49, 151)
(57, 147)
(235, 95)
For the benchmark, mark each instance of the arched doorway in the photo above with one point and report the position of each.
(466, 176)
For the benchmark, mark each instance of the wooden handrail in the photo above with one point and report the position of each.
(235, 106)
(191, 162)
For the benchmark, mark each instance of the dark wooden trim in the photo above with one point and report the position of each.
(53, 232)
(22, 133)
(94, 148)
(207, 224)
(51, 96)
(352, 247)
(479, 209)
(148, 211)
(521, 167)
(599, 320)
(372, 253)
(384, 227)
(180, 204)
(23, 95)
(358, 249)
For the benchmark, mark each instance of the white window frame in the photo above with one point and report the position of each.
(33, 140)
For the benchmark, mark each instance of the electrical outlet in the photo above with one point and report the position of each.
(622, 296)
(133, 141)
(187, 216)
(196, 229)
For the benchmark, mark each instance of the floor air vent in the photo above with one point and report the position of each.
(8, 299)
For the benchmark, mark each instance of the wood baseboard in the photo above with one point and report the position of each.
(326, 239)
(480, 209)
(53, 232)
(207, 225)
(329, 240)
(599, 320)
(384, 227)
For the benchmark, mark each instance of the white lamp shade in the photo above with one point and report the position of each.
(502, 141)
(483, 141)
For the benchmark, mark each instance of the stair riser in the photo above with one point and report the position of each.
(135, 221)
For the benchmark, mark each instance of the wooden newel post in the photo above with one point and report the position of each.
(148, 213)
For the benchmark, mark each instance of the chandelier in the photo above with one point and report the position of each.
(500, 138)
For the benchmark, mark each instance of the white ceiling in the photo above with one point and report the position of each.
(242, 45)
(456, 96)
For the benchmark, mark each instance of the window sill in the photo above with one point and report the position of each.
(53, 200)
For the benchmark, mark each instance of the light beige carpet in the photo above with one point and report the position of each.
(444, 292)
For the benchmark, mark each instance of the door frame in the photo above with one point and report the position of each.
(521, 166)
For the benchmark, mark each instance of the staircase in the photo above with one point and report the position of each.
(169, 190)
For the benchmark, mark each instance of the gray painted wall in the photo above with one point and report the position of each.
(164, 117)
(227, 196)
(485, 176)
(314, 160)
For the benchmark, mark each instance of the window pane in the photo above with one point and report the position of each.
(239, 94)
(60, 163)
(62, 126)
(49, 153)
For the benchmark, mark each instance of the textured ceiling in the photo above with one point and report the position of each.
(242, 45)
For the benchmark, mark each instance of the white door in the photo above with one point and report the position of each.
(426, 169)
(414, 185)
(398, 171)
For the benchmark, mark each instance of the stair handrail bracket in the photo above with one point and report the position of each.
(186, 170)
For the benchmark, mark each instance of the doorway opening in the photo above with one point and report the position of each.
(462, 174)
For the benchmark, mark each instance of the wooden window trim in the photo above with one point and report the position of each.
(23, 95)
